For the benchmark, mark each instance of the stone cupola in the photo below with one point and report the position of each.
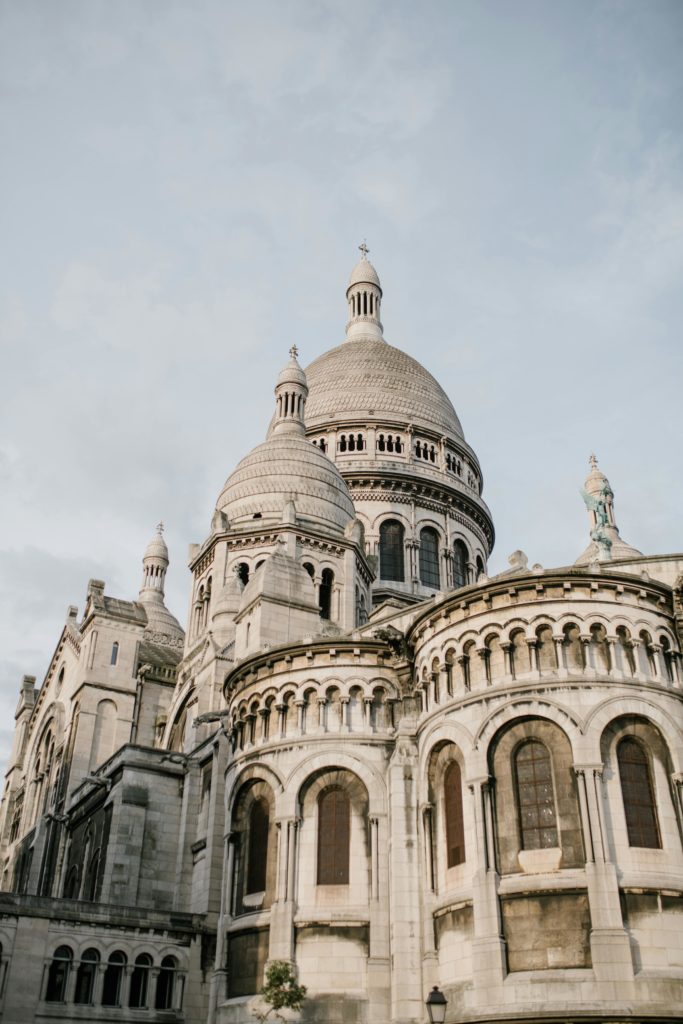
(364, 298)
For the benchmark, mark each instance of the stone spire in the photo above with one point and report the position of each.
(364, 298)
(154, 566)
(291, 392)
(606, 545)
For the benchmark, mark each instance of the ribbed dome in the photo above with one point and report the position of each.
(364, 273)
(287, 468)
(365, 377)
(157, 547)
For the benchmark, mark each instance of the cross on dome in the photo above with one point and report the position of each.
(294, 351)
(363, 250)
(593, 462)
(160, 528)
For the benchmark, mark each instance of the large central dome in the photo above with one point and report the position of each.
(368, 378)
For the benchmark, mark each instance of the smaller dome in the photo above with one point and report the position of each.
(157, 546)
(283, 469)
(364, 273)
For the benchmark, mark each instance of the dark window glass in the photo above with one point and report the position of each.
(334, 833)
(58, 975)
(114, 653)
(480, 566)
(459, 564)
(455, 830)
(326, 582)
(638, 796)
(429, 558)
(113, 980)
(165, 984)
(258, 847)
(535, 796)
(243, 572)
(391, 551)
(85, 977)
(139, 982)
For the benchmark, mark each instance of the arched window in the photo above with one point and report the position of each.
(165, 984)
(455, 829)
(139, 982)
(85, 977)
(391, 551)
(309, 569)
(257, 852)
(535, 796)
(480, 566)
(113, 979)
(429, 558)
(58, 975)
(334, 835)
(638, 795)
(92, 877)
(342, 443)
(243, 572)
(72, 883)
(460, 560)
(114, 653)
(326, 584)
(380, 443)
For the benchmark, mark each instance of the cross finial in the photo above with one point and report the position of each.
(160, 528)
(593, 462)
(294, 351)
(363, 250)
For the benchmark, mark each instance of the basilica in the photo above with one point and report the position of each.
(362, 755)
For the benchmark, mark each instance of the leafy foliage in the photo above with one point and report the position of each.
(281, 990)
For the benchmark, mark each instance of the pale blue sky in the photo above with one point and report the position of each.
(183, 187)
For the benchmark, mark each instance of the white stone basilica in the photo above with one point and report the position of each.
(364, 756)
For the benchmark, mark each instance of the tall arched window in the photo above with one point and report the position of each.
(480, 566)
(429, 558)
(535, 796)
(58, 975)
(113, 979)
(638, 795)
(114, 653)
(455, 829)
(257, 851)
(165, 984)
(391, 551)
(85, 977)
(460, 560)
(326, 584)
(334, 835)
(139, 982)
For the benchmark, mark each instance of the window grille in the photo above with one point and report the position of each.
(455, 830)
(391, 551)
(638, 795)
(429, 558)
(334, 834)
(535, 796)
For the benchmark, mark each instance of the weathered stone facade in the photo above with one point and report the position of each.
(363, 756)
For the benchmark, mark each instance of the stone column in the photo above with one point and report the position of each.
(488, 945)
(344, 701)
(677, 780)
(300, 705)
(614, 670)
(507, 649)
(407, 1000)
(322, 701)
(558, 640)
(463, 661)
(610, 946)
(532, 644)
(283, 910)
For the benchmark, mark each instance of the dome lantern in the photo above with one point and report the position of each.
(154, 566)
(291, 392)
(364, 298)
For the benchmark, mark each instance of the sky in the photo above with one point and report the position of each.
(183, 187)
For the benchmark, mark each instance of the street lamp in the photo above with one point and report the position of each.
(436, 1006)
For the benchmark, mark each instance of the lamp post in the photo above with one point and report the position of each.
(436, 1006)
